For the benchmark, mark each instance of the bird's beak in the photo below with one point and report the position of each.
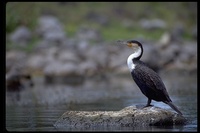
(121, 42)
(125, 43)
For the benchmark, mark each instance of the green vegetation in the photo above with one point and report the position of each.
(21, 13)
(26, 48)
(73, 15)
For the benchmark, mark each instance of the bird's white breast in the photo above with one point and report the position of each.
(130, 63)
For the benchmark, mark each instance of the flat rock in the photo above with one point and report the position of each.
(127, 117)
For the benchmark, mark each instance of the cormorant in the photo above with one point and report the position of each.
(147, 80)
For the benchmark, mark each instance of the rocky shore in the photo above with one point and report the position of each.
(56, 55)
(74, 61)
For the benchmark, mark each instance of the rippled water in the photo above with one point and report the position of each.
(42, 118)
(36, 116)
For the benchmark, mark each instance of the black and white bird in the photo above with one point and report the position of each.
(147, 80)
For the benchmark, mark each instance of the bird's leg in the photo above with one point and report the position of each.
(148, 103)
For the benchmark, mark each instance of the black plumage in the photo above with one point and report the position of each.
(147, 80)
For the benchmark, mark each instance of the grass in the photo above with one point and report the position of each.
(21, 13)
(74, 15)
(26, 47)
(130, 33)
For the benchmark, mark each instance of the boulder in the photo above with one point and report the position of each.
(21, 36)
(98, 54)
(58, 72)
(50, 29)
(128, 117)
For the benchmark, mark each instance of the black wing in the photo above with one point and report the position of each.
(150, 83)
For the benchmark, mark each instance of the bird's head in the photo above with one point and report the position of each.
(131, 43)
(135, 45)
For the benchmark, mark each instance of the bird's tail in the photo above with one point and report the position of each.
(174, 107)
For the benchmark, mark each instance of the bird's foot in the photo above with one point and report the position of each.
(147, 106)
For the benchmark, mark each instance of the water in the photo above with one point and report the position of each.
(42, 118)
(35, 116)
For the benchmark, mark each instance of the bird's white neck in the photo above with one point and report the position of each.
(136, 54)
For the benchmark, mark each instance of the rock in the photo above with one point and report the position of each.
(66, 56)
(89, 34)
(174, 55)
(21, 36)
(18, 76)
(58, 68)
(187, 58)
(71, 79)
(16, 81)
(177, 32)
(50, 29)
(59, 72)
(127, 117)
(15, 59)
(98, 54)
(168, 54)
(82, 46)
(59, 65)
(88, 67)
(165, 39)
(194, 32)
(152, 24)
(41, 58)
(151, 56)
(188, 52)
(36, 62)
